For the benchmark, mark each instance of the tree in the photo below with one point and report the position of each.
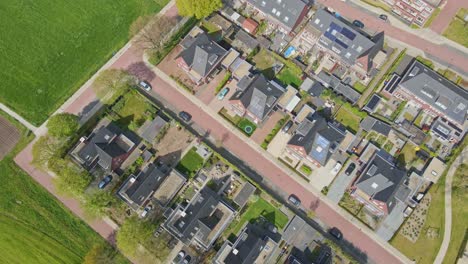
(72, 181)
(112, 83)
(97, 202)
(45, 149)
(198, 8)
(132, 233)
(100, 254)
(138, 25)
(154, 35)
(63, 125)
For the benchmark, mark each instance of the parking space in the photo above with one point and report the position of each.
(262, 131)
(279, 142)
(340, 184)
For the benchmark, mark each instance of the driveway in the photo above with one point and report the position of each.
(339, 186)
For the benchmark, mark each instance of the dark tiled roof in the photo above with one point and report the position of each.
(260, 97)
(340, 88)
(346, 42)
(435, 90)
(243, 196)
(249, 245)
(381, 179)
(202, 54)
(151, 130)
(287, 12)
(319, 138)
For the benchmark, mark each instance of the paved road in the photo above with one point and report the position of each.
(265, 167)
(448, 206)
(449, 10)
(449, 56)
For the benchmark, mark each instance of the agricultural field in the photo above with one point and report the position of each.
(34, 226)
(51, 47)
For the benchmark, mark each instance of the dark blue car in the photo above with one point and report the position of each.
(102, 184)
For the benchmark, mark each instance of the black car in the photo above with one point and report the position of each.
(358, 24)
(350, 169)
(383, 17)
(294, 200)
(185, 116)
(287, 126)
(336, 233)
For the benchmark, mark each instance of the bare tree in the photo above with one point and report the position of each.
(153, 36)
(112, 83)
(138, 25)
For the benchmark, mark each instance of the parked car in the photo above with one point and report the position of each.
(187, 259)
(336, 233)
(185, 116)
(350, 169)
(102, 184)
(179, 257)
(383, 17)
(223, 93)
(287, 126)
(146, 211)
(145, 85)
(337, 168)
(294, 200)
(358, 24)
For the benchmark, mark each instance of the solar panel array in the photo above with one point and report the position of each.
(339, 34)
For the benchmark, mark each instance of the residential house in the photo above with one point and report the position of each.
(151, 129)
(242, 197)
(316, 139)
(437, 96)
(290, 99)
(351, 47)
(222, 23)
(305, 111)
(251, 246)
(201, 55)
(380, 186)
(372, 104)
(334, 83)
(244, 42)
(200, 222)
(369, 124)
(137, 190)
(256, 97)
(107, 146)
(413, 11)
(286, 14)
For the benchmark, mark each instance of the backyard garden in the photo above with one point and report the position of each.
(190, 163)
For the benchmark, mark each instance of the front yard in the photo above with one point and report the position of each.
(260, 208)
(132, 110)
(243, 124)
(457, 30)
(190, 163)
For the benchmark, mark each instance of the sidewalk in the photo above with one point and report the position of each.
(358, 225)
(448, 206)
(20, 119)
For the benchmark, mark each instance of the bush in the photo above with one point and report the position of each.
(63, 125)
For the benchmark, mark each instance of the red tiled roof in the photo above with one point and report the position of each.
(250, 25)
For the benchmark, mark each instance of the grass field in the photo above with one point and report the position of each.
(190, 163)
(348, 119)
(51, 47)
(34, 226)
(458, 29)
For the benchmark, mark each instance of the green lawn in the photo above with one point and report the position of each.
(190, 163)
(348, 119)
(425, 61)
(34, 226)
(407, 154)
(265, 209)
(460, 213)
(433, 16)
(458, 29)
(244, 125)
(264, 60)
(133, 110)
(379, 4)
(305, 169)
(51, 47)
(359, 87)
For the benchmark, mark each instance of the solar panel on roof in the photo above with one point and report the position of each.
(348, 33)
(329, 36)
(373, 102)
(334, 26)
(341, 43)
